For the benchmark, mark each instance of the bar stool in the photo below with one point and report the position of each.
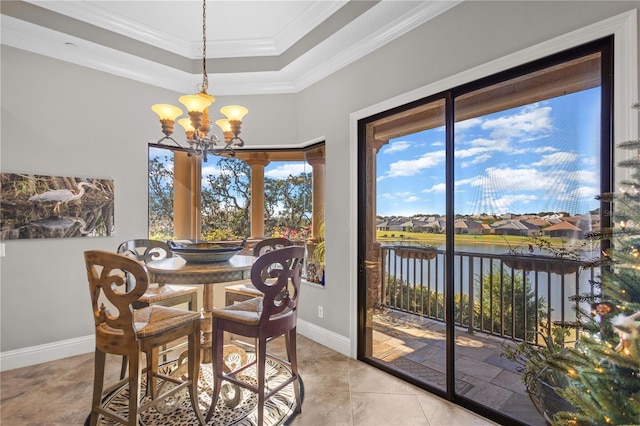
(130, 332)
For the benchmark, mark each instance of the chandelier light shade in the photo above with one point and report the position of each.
(198, 125)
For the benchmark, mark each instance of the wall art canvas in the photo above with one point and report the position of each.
(36, 206)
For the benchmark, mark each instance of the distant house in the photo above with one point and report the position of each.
(399, 224)
(564, 229)
(471, 227)
(517, 228)
(536, 221)
(432, 225)
(382, 225)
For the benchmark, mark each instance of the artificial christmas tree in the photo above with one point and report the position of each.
(603, 369)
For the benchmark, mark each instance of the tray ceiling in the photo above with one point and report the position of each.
(253, 47)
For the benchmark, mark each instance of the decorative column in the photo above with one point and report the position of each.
(372, 267)
(257, 194)
(317, 161)
(315, 267)
(373, 255)
(187, 196)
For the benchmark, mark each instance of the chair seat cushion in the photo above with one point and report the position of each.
(247, 312)
(156, 319)
(157, 293)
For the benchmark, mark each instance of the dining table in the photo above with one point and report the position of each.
(175, 270)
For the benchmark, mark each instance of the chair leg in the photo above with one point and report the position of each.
(194, 371)
(193, 302)
(152, 368)
(261, 358)
(292, 353)
(218, 367)
(123, 369)
(98, 383)
(287, 345)
(135, 372)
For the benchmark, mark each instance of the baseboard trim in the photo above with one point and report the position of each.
(33, 355)
(45, 353)
(325, 337)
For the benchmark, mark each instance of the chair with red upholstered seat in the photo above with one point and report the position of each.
(277, 274)
(122, 330)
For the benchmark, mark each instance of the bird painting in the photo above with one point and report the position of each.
(59, 196)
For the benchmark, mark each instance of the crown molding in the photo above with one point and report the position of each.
(378, 25)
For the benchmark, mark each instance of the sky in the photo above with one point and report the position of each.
(275, 170)
(535, 158)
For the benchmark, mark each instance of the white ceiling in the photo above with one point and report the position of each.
(253, 47)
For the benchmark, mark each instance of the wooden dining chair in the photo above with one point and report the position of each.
(122, 330)
(246, 290)
(145, 251)
(277, 274)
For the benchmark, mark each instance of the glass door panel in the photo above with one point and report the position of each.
(405, 244)
(527, 173)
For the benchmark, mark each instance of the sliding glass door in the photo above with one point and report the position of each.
(472, 206)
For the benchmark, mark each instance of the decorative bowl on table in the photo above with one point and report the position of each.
(195, 251)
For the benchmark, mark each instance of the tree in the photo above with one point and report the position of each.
(160, 198)
(603, 369)
(497, 316)
(226, 201)
(288, 202)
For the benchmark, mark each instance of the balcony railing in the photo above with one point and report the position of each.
(499, 294)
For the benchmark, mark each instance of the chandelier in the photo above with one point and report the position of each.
(198, 125)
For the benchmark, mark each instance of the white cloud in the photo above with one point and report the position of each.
(509, 179)
(397, 147)
(210, 170)
(415, 166)
(543, 149)
(584, 176)
(482, 149)
(437, 188)
(531, 122)
(555, 159)
(583, 192)
(482, 158)
(286, 170)
(411, 199)
(467, 124)
(510, 203)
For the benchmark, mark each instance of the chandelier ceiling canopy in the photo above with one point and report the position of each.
(197, 126)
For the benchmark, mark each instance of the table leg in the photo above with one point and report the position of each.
(206, 326)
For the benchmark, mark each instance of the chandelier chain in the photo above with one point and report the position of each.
(205, 77)
(198, 125)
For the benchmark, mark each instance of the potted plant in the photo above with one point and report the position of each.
(542, 256)
(535, 362)
(422, 252)
(319, 251)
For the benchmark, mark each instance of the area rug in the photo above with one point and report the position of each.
(278, 410)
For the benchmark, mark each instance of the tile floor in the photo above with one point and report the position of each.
(337, 391)
(416, 346)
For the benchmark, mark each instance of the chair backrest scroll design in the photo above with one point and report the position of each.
(281, 284)
(108, 274)
(270, 244)
(144, 251)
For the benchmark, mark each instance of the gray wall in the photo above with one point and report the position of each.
(61, 119)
